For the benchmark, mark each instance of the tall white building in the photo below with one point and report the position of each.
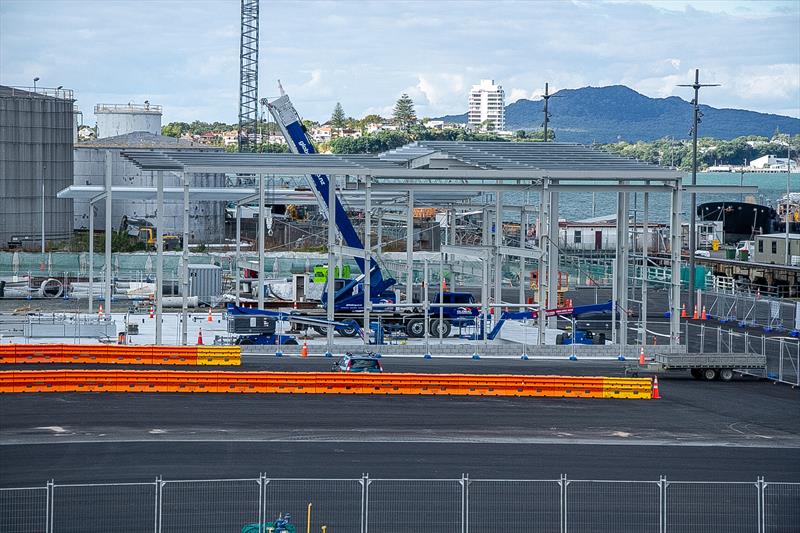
(487, 103)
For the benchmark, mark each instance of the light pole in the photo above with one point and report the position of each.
(693, 196)
(34, 83)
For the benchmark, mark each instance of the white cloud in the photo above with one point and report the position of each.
(365, 54)
(518, 94)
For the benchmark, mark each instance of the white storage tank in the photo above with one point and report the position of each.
(119, 119)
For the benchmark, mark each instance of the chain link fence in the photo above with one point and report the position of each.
(400, 505)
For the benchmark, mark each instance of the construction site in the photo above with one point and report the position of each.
(282, 341)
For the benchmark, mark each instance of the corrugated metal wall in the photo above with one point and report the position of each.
(36, 139)
(206, 219)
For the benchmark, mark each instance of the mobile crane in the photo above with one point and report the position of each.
(349, 293)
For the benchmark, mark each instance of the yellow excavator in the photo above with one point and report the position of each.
(146, 233)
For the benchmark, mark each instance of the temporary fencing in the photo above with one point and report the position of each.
(754, 310)
(782, 353)
(361, 505)
(120, 354)
(70, 380)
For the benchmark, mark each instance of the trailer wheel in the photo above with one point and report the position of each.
(710, 374)
(725, 374)
(444, 325)
(350, 330)
(415, 328)
(321, 330)
(696, 373)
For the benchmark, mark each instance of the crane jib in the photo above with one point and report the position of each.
(322, 183)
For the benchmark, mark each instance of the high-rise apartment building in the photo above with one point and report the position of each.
(487, 106)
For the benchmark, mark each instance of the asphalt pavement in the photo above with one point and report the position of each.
(698, 430)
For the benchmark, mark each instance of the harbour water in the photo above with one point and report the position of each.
(576, 206)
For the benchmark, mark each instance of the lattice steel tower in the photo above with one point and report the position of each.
(248, 74)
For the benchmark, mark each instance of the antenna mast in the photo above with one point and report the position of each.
(248, 74)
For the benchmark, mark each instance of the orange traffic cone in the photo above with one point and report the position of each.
(641, 355)
(683, 311)
(304, 350)
(151, 311)
(200, 337)
(704, 316)
(694, 314)
(210, 319)
(444, 284)
(100, 311)
(655, 395)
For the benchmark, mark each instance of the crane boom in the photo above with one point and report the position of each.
(348, 296)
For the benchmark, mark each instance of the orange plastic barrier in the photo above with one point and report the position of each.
(322, 383)
(8, 354)
(120, 354)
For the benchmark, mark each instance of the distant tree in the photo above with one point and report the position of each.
(174, 129)
(338, 119)
(404, 115)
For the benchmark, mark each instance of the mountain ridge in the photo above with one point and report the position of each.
(617, 112)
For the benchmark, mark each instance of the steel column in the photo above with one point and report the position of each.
(675, 267)
(552, 257)
(367, 256)
(410, 248)
(238, 251)
(261, 215)
(523, 232)
(91, 257)
(331, 261)
(108, 180)
(542, 235)
(645, 245)
(185, 263)
(623, 237)
(159, 254)
(498, 241)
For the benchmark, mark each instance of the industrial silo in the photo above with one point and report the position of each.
(36, 139)
(206, 219)
(119, 119)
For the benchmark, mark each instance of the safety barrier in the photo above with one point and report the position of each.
(120, 354)
(70, 380)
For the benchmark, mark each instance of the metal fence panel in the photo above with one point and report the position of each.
(104, 507)
(214, 505)
(712, 507)
(618, 506)
(336, 503)
(404, 505)
(23, 510)
(781, 507)
(511, 506)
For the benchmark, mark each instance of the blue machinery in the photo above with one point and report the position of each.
(348, 295)
(572, 312)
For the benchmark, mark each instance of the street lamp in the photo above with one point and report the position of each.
(34, 83)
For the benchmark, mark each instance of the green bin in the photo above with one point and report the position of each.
(730, 253)
(744, 255)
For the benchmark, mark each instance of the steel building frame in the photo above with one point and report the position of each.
(472, 167)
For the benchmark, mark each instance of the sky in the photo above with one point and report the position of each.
(184, 55)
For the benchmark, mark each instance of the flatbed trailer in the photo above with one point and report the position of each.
(411, 322)
(706, 366)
